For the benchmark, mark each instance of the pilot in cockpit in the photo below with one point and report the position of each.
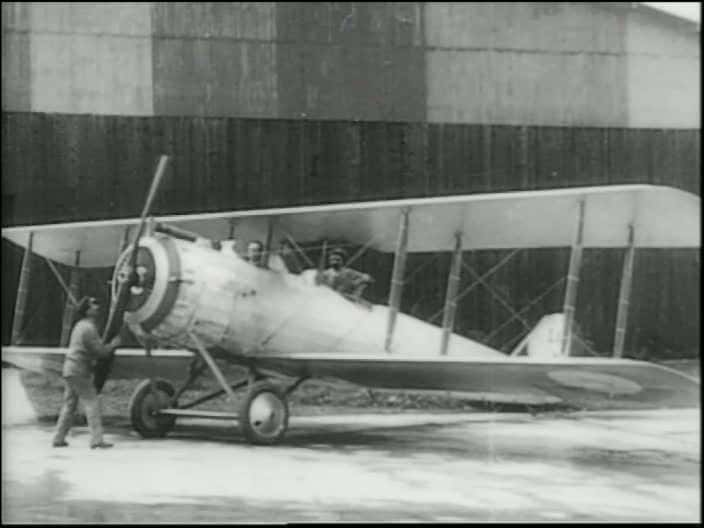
(345, 280)
(255, 253)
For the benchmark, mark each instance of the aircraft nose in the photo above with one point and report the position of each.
(142, 280)
(145, 273)
(155, 282)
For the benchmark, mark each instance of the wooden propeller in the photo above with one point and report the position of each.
(122, 297)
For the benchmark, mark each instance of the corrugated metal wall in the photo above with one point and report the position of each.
(664, 79)
(560, 63)
(81, 57)
(526, 63)
(100, 166)
(16, 63)
(351, 60)
(517, 63)
(214, 59)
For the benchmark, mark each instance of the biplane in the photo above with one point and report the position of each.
(192, 301)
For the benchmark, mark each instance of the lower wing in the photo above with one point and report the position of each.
(586, 383)
(130, 363)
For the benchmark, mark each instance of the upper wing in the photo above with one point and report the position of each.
(661, 216)
(588, 383)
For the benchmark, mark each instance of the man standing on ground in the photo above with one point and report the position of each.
(85, 347)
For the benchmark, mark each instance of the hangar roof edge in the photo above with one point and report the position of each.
(680, 20)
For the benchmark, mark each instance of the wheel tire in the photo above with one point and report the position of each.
(144, 404)
(264, 414)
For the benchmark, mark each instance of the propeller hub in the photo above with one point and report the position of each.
(150, 289)
(139, 281)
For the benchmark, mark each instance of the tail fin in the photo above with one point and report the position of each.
(545, 340)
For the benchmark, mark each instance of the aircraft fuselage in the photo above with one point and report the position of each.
(230, 304)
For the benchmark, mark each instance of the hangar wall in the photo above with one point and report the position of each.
(266, 104)
(526, 63)
(77, 58)
(567, 63)
(214, 59)
(91, 167)
(517, 63)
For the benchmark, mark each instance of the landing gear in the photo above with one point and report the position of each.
(264, 413)
(148, 400)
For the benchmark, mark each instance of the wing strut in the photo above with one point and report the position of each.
(624, 296)
(453, 282)
(269, 238)
(70, 305)
(573, 280)
(22, 291)
(397, 277)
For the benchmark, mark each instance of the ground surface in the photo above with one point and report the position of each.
(608, 466)
(359, 461)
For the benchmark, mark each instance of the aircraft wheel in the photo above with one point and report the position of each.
(264, 414)
(144, 405)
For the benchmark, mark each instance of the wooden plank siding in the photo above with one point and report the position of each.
(59, 168)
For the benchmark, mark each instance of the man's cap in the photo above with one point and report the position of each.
(84, 304)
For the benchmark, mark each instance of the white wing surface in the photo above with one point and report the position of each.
(661, 217)
(585, 383)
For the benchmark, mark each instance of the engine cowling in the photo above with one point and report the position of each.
(182, 287)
